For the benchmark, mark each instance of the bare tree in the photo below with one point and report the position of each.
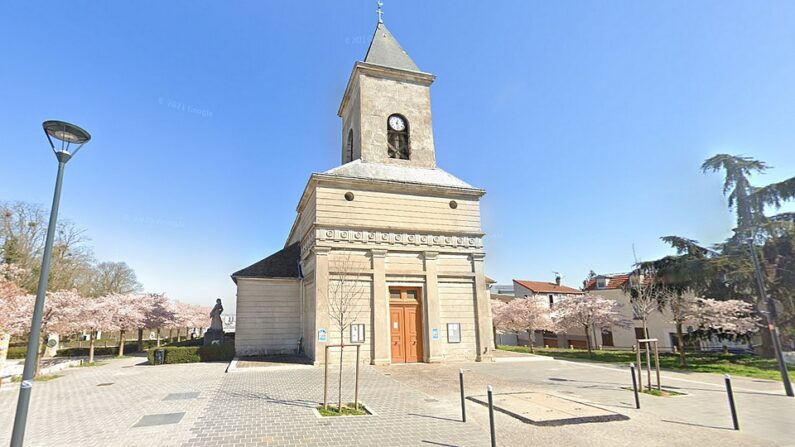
(23, 228)
(345, 292)
(645, 297)
(681, 303)
(113, 278)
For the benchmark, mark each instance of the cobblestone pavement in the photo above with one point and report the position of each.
(200, 405)
(275, 408)
(98, 406)
(701, 417)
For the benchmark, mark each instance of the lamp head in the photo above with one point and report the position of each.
(67, 134)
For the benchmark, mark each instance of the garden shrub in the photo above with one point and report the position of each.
(217, 353)
(193, 354)
(17, 352)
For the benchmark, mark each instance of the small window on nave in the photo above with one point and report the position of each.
(397, 137)
(350, 145)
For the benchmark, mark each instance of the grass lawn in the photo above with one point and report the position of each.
(733, 364)
(42, 378)
(659, 393)
(89, 365)
(347, 410)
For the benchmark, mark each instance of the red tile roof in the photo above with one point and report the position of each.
(546, 287)
(613, 282)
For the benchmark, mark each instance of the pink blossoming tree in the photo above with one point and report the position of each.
(128, 313)
(588, 311)
(523, 314)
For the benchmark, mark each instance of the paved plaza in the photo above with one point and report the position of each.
(127, 403)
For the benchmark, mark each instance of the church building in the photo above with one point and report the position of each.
(387, 249)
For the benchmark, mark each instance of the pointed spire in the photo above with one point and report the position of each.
(380, 11)
(386, 51)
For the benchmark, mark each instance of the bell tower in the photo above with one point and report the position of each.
(386, 108)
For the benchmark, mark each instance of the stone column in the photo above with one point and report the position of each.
(431, 310)
(379, 335)
(321, 302)
(482, 311)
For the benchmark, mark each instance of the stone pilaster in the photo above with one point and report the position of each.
(379, 336)
(482, 311)
(321, 302)
(431, 310)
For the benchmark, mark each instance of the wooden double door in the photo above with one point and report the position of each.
(405, 323)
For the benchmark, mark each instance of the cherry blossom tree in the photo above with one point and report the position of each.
(61, 315)
(128, 314)
(11, 319)
(198, 318)
(588, 311)
(727, 319)
(10, 316)
(94, 315)
(525, 314)
(498, 317)
(160, 313)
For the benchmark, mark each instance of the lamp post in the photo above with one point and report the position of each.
(68, 135)
(770, 316)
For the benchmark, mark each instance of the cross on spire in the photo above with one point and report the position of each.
(380, 12)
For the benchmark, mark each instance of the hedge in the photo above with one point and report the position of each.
(193, 354)
(17, 353)
(98, 350)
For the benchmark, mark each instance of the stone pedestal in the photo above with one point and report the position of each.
(213, 337)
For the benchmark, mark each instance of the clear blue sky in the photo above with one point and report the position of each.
(586, 122)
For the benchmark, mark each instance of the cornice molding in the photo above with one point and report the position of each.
(387, 239)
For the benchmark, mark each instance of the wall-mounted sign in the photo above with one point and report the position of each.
(453, 332)
(357, 333)
(321, 335)
(435, 333)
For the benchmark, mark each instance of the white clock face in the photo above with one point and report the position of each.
(396, 123)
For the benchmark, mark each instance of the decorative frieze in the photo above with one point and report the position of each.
(394, 238)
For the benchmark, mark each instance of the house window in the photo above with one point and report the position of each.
(551, 301)
(639, 334)
(601, 283)
(350, 145)
(397, 137)
(607, 338)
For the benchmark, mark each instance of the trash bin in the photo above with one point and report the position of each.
(160, 356)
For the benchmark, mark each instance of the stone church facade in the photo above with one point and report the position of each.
(388, 233)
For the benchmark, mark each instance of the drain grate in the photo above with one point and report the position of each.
(160, 419)
(182, 396)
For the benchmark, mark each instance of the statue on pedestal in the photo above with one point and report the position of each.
(215, 334)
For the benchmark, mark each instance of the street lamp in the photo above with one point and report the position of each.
(69, 135)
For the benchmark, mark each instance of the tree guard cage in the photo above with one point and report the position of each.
(325, 379)
(648, 344)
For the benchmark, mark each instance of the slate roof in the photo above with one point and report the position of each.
(546, 287)
(407, 174)
(384, 50)
(282, 264)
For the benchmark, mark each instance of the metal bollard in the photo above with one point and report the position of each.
(491, 417)
(463, 399)
(728, 380)
(635, 385)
